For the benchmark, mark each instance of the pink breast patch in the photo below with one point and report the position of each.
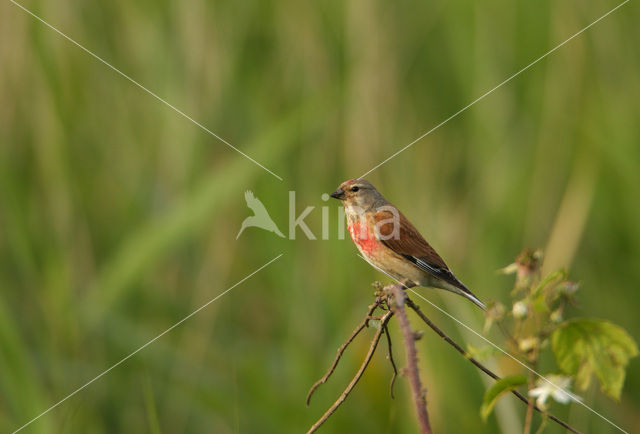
(363, 237)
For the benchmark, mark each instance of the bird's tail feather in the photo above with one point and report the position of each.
(462, 290)
(474, 299)
(466, 292)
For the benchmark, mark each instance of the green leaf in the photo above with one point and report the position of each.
(584, 347)
(500, 387)
(552, 278)
(539, 302)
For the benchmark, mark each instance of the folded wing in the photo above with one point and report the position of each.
(407, 242)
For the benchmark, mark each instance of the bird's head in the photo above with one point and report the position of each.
(358, 193)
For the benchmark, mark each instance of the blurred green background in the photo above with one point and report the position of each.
(118, 217)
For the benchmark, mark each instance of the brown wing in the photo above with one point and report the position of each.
(408, 243)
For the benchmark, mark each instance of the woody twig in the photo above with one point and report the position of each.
(419, 394)
(391, 300)
(372, 348)
(480, 366)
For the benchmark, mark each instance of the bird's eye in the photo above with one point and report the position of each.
(355, 188)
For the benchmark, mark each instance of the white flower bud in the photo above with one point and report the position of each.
(520, 309)
(528, 344)
(556, 316)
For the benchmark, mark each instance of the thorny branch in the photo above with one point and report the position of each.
(385, 301)
(393, 363)
(372, 348)
(480, 366)
(419, 394)
(343, 347)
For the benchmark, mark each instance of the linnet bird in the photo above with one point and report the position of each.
(388, 240)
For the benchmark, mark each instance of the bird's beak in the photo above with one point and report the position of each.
(338, 194)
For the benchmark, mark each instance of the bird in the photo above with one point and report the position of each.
(260, 219)
(389, 242)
